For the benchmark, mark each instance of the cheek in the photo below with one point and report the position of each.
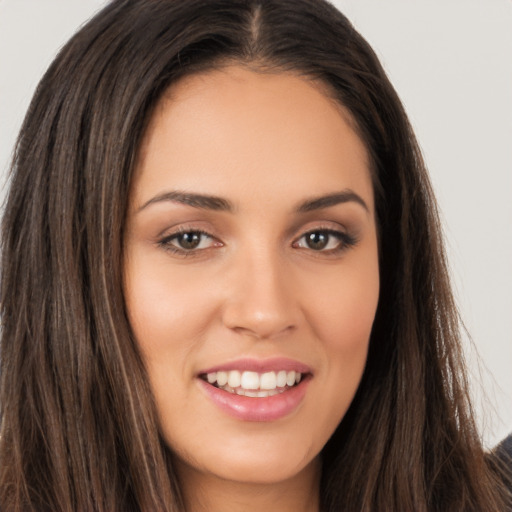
(343, 307)
(167, 310)
(342, 314)
(169, 313)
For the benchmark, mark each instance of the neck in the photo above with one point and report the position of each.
(208, 493)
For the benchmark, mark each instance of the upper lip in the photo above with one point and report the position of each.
(260, 365)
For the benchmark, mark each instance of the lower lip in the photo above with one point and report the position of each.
(247, 408)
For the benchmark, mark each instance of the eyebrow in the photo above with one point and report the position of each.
(204, 202)
(318, 203)
(215, 203)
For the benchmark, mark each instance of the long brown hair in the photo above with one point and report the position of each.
(78, 425)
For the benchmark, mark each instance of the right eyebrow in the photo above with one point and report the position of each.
(205, 202)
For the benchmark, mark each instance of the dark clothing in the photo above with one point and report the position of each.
(504, 452)
(505, 448)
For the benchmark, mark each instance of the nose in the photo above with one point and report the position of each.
(261, 301)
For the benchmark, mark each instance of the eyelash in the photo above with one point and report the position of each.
(166, 242)
(346, 241)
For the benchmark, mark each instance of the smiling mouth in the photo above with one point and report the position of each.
(254, 384)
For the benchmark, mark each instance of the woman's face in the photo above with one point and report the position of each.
(251, 262)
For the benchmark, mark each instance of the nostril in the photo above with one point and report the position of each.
(262, 332)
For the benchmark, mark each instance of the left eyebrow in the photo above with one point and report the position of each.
(318, 203)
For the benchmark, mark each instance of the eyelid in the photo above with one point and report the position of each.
(346, 240)
(165, 241)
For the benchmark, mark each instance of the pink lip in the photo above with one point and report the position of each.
(257, 409)
(260, 366)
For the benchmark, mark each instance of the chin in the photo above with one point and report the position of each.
(256, 462)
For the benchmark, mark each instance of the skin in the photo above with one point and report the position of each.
(253, 287)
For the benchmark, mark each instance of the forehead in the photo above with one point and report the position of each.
(234, 127)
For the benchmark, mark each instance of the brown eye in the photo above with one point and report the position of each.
(317, 240)
(325, 240)
(188, 241)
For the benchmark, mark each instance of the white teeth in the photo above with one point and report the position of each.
(281, 379)
(222, 378)
(234, 379)
(254, 384)
(250, 380)
(268, 381)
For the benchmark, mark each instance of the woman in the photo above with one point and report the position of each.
(211, 201)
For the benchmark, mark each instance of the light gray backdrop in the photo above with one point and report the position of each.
(451, 62)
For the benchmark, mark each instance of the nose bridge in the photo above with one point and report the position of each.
(260, 300)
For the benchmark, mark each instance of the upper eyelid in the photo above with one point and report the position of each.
(328, 229)
(166, 244)
(325, 230)
(183, 226)
(340, 235)
(177, 233)
(169, 233)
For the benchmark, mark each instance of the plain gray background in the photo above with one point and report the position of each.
(451, 63)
